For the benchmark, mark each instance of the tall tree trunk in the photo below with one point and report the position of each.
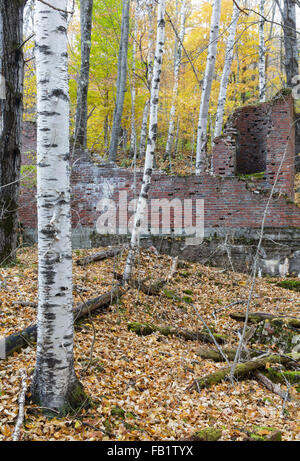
(143, 135)
(177, 59)
(86, 14)
(262, 53)
(54, 383)
(226, 72)
(11, 111)
(152, 133)
(133, 83)
(290, 41)
(121, 82)
(206, 89)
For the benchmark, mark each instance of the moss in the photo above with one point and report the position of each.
(143, 329)
(264, 434)
(280, 376)
(187, 299)
(76, 400)
(290, 284)
(209, 434)
(117, 412)
(171, 294)
(188, 292)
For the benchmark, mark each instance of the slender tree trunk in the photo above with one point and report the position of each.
(262, 54)
(133, 83)
(152, 133)
(206, 89)
(143, 135)
(11, 111)
(226, 72)
(290, 41)
(54, 383)
(86, 13)
(121, 82)
(177, 59)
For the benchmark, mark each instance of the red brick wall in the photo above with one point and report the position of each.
(228, 200)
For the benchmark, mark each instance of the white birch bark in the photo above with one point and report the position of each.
(176, 82)
(206, 89)
(262, 54)
(226, 72)
(54, 383)
(143, 135)
(152, 133)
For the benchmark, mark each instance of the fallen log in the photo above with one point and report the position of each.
(152, 289)
(145, 329)
(110, 253)
(211, 354)
(28, 336)
(242, 370)
(256, 317)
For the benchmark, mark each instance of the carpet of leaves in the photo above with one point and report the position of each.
(138, 384)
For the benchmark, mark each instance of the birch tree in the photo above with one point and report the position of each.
(54, 383)
(262, 53)
(121, 82)
(152, 133)
(178, 53)
(206, 89)
(143, 134)
(86, 13)
(226, 72)
(11, 109)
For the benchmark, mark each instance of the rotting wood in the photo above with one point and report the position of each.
(28, 336)
(110, 253)
(242, 370)
(145, 329)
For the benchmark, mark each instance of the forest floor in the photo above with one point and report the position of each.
(138, 384)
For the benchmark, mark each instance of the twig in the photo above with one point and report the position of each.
(55, 8)
(16, 434)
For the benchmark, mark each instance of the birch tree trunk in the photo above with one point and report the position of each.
(206, 89)
(54, 384)
(121, 82)
(86, 13)
(143, 135)
(177, 63)
(226, 72)
(152, 133)
(290, 41)
(262, 54)
(11, 112)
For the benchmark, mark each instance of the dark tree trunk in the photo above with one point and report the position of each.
(11, 109)
(290, 41)
(121, 82)
(86, 13)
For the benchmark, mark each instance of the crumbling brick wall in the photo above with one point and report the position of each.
(229, 201)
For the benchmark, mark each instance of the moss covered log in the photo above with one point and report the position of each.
(256, 317)
(211, 354)
(144, 329)
(242, 370)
